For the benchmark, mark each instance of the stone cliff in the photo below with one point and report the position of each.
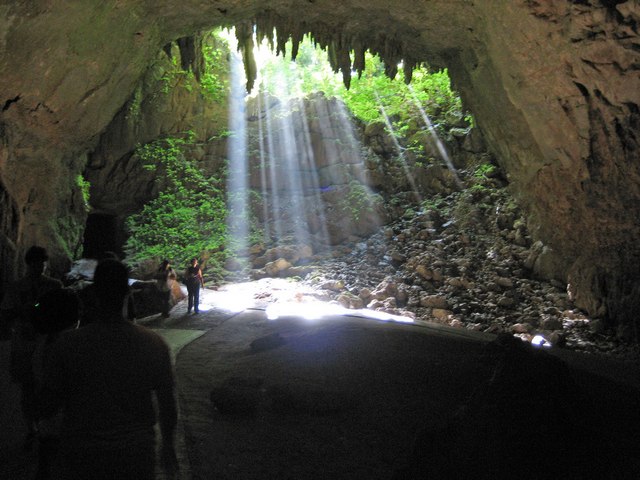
(554, 87)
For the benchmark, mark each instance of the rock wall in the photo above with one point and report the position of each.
(553, 86)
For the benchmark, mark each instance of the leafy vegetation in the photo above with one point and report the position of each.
(374, 97)
(359, 201)
(187, 219)
(213, 84)
(214, 81)
(85, 187)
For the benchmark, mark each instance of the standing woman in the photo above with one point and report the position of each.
(193, 279)
(165, 276)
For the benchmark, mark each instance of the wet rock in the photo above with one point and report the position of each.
(441, 314)
(333, 285)
(521, 328)
(385, 289)
(504, 282)
(506, 302)
(349, 300)
(434, 301)
(275, 268)
(551, 323)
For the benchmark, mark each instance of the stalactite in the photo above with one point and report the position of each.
(278, 30)
(408, 67)
(282, 38)
(344, 61)
(358, 57)
(297, 35)
(191, 57)
(244, 34)
(333, 57)
(167, 50)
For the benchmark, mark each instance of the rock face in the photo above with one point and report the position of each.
(554, 87)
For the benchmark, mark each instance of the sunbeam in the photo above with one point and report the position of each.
(434, 135)
(400, 150)
(237, 188)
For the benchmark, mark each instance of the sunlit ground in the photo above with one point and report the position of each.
(282, 298)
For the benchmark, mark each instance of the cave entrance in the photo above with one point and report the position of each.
(100, 236)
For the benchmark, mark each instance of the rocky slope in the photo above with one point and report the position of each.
(465, 260)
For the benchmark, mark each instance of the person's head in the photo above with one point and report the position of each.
(111, 281)
(165, 264)
(56, 311)
(35, 258)
(109, 254)
(194, 262)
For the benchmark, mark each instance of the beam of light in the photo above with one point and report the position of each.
(290, 184)
(434, 135)
(400, 150)
(266, 237)
(312, 188)
(237, 183)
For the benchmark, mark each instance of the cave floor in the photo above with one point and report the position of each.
(349, 397)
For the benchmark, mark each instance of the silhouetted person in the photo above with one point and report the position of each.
(193, 279)
(17, 310)
(165, 277)
(90, 311)
(104, 376)
(56, 311)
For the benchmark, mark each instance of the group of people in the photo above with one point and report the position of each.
(193, 279)
(88, 375)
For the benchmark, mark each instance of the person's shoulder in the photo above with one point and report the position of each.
(66, 338)
(50, 282)
(148, 333)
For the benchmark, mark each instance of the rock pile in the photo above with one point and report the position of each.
(465, 260)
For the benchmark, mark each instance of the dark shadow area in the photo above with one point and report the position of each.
(100, 236)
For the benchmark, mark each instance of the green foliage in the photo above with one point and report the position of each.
(435, 203)
(187, 219)
(135, 105)
(358, 201)
(373, 97)
(213, 83)
(485, 170)
(85, 187)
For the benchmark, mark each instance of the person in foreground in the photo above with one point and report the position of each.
(103, 377)
(17, 310)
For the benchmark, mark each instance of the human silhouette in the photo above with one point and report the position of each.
(104, 377)
(17, 309)
(193, 279)
(56, 311)
(90, 310)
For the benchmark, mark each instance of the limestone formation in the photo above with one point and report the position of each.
(553, 85)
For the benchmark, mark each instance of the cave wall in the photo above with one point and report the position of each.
(554, 87)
